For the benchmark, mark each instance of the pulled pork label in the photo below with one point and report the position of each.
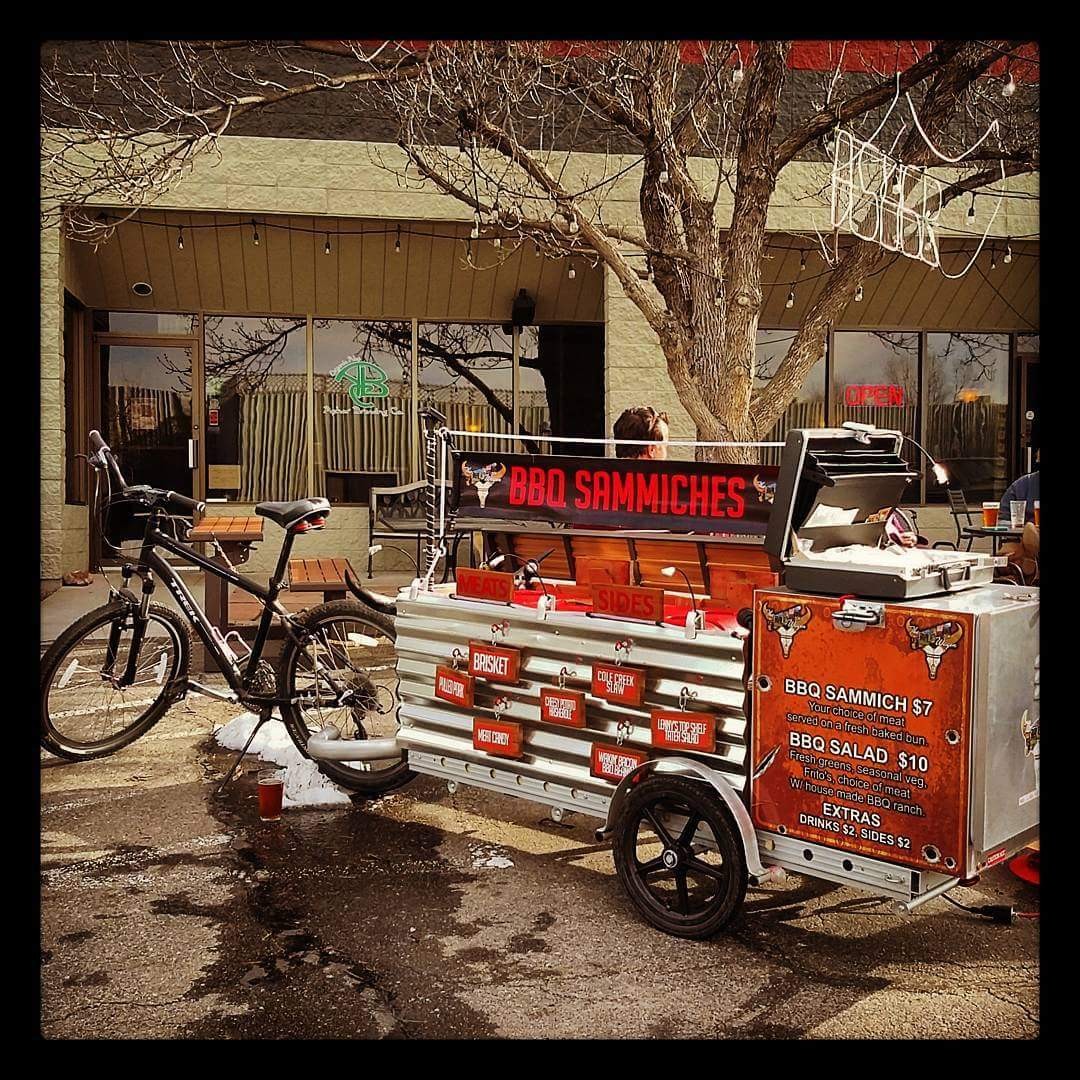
(677, 730)
(565, 707)
(454, 686)
(493, 663)
(499, 737)
(618, 683)
(614, 762)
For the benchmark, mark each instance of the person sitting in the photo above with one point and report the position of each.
(646, 424)
(1025, 488)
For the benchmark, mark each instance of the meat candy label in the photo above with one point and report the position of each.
(499, 737)
(565, 707)
(677, 730)
(454, 686)
(493, 662)
(618, 683)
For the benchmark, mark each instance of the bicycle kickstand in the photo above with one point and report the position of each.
(263, 717)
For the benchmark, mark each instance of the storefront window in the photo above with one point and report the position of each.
(534, 403)
(875, 380)
(363, 407)
(256, 408)
(138, 323)
(967, 393)
(808, 408)
(466, 371)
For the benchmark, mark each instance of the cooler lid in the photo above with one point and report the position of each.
(832, 480)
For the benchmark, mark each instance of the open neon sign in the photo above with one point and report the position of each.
(860, 395)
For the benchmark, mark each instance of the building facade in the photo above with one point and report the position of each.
(271, 328)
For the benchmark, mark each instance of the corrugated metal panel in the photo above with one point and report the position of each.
(221, 270)
(432, 626)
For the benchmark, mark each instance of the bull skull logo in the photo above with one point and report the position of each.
(766, 490)
(483, 477)
(934, 641)
(786, 623)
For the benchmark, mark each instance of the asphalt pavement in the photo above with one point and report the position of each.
(169, 913)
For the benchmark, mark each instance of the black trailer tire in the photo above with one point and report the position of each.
(719, 878)
(301, 724)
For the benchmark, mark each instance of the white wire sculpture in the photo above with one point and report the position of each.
(879, 198)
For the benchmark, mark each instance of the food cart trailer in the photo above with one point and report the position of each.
(812, 705)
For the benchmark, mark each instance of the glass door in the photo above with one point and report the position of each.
(146, 412)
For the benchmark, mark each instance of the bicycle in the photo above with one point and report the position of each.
(111, 675)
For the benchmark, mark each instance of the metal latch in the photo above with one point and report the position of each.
(858, 615)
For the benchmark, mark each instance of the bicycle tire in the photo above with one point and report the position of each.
(53, 739)
(364, 782)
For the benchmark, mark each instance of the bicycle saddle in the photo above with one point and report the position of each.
(286, 514)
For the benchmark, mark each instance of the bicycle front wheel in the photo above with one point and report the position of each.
(346, 651)
(86, 712)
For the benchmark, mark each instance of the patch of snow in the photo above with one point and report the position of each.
(304, 784)
(488, 857)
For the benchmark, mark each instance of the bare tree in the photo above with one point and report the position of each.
(494, 124)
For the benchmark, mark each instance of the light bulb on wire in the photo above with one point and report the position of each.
(802, 261)
(858, 295)
(180, 239)
(496, 242)
(571, 273)
(993, 259)
(664, 177)
(790, 299)
(737, 74)
(1009, 88)
(326, 250)
(254, 233)
(1008, 253)
(971, 208)
(397, 242)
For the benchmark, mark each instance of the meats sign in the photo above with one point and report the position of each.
(680, 495)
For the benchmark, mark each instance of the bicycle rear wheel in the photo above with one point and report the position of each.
(85, 713)
(345, 646)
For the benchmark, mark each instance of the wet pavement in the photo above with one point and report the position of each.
(169, 913)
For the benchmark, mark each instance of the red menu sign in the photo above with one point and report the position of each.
(499, 737)
(614, 762)
(618, 683)
(485, 584)
(565, 707)
(629, 602)
(494, 663)
(678, 730)
(454, 686)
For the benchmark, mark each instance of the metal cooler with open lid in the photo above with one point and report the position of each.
(892, 743)
(835, 489)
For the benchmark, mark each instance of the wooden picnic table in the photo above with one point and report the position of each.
(326, 576)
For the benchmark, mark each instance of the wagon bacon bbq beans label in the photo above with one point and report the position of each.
(614, 762)
(564, 707)
(503, 738)
(674, 729)
(494, 662)
(454, 686)
(618, 683)
(861, 739)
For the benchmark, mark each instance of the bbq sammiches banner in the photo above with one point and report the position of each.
(681, 495)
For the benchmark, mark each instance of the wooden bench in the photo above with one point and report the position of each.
(326, 576)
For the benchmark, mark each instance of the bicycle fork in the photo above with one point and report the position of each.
(138, 630)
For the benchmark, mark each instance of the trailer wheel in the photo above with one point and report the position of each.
(679, 857)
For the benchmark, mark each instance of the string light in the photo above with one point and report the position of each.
(571, 273)
(254, 233)
(326, 250)
(573, 224)
(180, 239)
(397, 242)
(993, 259)
(971, 208)
(858, 295)
(802, 261)
(496, 242)
(1008, 253)
(790, 299)
(664, 176)
(1009, 88)
(737, 74)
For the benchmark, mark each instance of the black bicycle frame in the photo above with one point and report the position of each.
(230, 668)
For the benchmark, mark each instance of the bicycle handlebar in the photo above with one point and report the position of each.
(105, 457)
